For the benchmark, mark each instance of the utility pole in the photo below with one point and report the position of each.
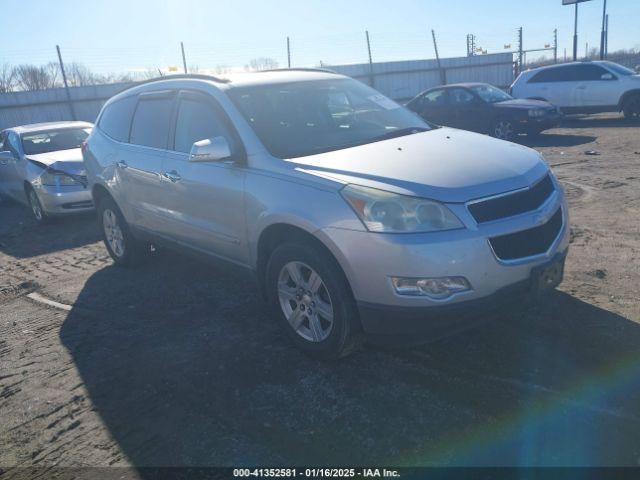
(371, 82)
(586, 50)
(66, 85)
(184, 59)
(603, 31)
(565, 54)
(575, 34)
(288, 53)
(471, 45)
(555, 45)
(606, 36)
(520, 54)
(443, 76)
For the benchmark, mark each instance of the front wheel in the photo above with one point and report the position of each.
(631, 108)
(503, 129)
(39, 215)
(123, 247)
(311, 298)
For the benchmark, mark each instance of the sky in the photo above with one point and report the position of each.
(133, 35)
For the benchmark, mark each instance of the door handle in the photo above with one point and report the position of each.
(4, 161)
(172, 176)
(122, 164)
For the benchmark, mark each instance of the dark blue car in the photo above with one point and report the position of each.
(483, 108)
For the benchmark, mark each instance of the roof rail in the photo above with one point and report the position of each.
(300, 69)
(178, 76)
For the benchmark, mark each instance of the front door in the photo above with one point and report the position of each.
(204, 201)
(464, 108)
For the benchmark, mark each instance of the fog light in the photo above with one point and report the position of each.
(440, 287)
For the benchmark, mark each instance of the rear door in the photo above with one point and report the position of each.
(465, 109)
(140, 161)
(554, 84)
(432, 106)
(204, 201)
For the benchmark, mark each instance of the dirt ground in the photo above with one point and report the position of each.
(177, 363)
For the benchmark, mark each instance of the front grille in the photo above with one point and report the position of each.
(512, 204)
(530, 242)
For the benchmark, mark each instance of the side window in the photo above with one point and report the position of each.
(434, 99)
(115, 120)
(590, 72)
(460, 96)
(151, 120)
(550, 75)
(198, 119)
(3, 136)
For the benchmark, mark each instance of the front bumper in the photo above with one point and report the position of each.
(65, 199)
(370, 260)
(538, 124)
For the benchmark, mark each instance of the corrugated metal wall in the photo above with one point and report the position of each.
(403, 80)
(398, 80)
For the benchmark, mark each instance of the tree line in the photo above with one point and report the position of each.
(29, 77)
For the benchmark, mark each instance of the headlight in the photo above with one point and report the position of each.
(536, 113)
(382, 211)
(54, 178)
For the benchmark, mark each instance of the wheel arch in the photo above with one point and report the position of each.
(625, 96)
(280, 232)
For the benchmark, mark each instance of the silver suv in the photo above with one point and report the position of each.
(356, 215)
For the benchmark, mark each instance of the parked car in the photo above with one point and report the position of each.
(355, 214)
(483, 108)
(583, 87)
(41, 165)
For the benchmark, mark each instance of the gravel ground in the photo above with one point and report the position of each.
(177, 363)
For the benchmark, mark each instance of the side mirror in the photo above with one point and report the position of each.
(606, 76)
(8, 155)
(210, 150)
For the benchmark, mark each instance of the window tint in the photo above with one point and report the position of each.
(197, 120)
(435, 98)
(569, 73)
(590, 72)
(460, 96)
(150, 126)
(115, 120)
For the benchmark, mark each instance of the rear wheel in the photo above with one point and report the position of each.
(631, 107)
(503, 129)
(123, 247)
(311, 298)
(37, 210)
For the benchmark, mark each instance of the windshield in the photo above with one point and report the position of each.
(619, 69)
(491, 94)
(53, 140)
(304, 118)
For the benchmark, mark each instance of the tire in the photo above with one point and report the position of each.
(503, 129)
(333, 329)
(123, 247)
(631, 107)
(37, 210)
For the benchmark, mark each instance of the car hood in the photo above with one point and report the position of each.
(524, 103)
(444, 164)
(69, 161)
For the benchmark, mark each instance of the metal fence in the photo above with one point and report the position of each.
(399, 80)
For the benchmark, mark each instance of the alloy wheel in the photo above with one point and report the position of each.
(305, 301)
(36, 208)
(113, 232)
(503, 130)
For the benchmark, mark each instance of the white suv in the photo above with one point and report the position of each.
(583, 87)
